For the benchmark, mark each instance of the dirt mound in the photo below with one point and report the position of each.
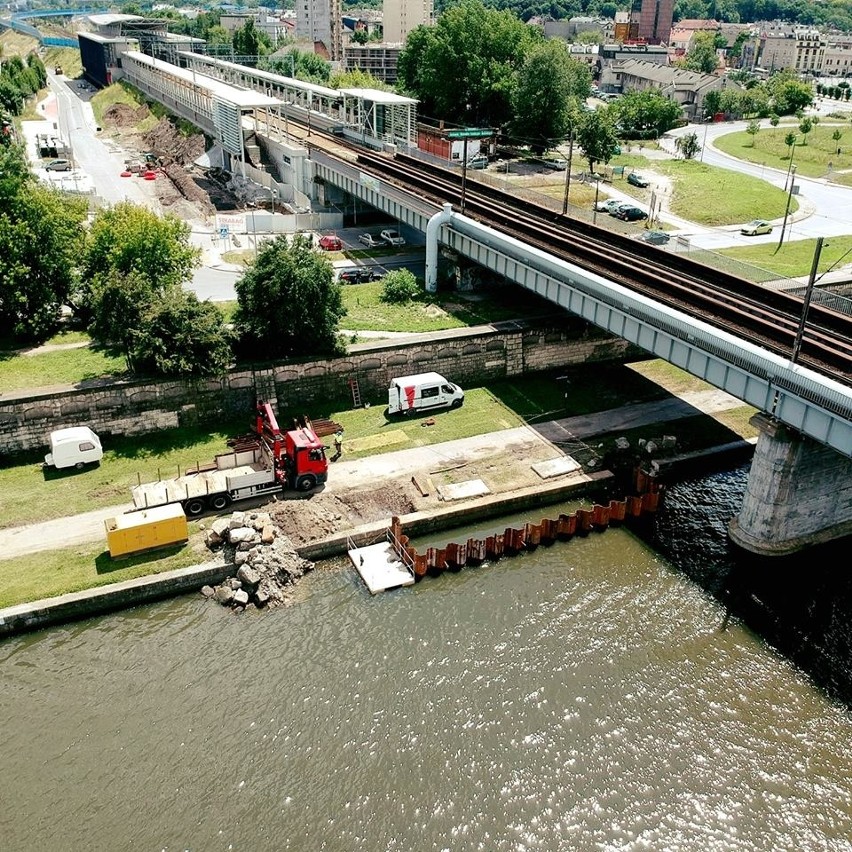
(188, 188)
(124, 115)
(322, 515)
(172, 146)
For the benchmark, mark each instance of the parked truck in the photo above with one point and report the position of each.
(270, 462)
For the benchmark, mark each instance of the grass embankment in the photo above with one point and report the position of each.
(795, 258)
(58, 572)
(500, 405)
(67, 58)
(16, 44)
(122, 93)
(767, 148)
(61, 367)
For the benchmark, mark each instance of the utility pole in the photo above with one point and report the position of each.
(568, 172)
(806, 304)
(464, 172)
(787, 211)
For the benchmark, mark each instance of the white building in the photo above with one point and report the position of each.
(402, 16)
(320, 22)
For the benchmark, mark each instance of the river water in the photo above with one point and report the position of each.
(623, 691)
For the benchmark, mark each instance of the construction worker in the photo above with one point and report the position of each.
(338, 443)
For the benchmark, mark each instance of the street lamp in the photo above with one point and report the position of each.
(274, 199)
(787, 211)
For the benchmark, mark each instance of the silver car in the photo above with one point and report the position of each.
(370, 241)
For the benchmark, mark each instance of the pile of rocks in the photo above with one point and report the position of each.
(266, 562)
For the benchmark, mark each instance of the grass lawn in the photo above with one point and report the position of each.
(795, 257)
(706, 194)
(57, 572)
(62, 367)
(119, 93)
(812, 160)
(68, 58)
(29, 492)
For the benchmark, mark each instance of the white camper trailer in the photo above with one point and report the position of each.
(75, 446)
(423, 392)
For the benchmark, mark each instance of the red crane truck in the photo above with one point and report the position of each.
(272, 461)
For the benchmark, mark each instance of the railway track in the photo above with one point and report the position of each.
(769, 318)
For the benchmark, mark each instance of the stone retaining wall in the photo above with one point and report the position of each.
(468, 357)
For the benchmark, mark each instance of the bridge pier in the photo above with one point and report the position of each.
(799, 493)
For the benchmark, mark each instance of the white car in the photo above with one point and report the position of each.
(370, 241)
(392, 238)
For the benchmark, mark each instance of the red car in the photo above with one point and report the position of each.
(331, 242)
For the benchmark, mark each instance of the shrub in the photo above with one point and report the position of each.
(399, 287)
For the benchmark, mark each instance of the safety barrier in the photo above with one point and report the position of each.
(513, 540)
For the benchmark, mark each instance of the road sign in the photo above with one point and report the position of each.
(470, 133)
(223, 232)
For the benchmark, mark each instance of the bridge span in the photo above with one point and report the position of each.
(800, 486)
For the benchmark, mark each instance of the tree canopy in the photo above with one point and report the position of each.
(645, 114)
(596, 137)
(288, 303)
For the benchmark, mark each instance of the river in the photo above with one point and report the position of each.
(615, 692)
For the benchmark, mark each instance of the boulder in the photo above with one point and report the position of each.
(234, 583)
(236, 520)
(241, 557)
(267, 536)
(221, 526)
(239, 534)
(249, 577)
(224, 594)
(208, 591)
(241, 597)
(261, 597)
(669, 442)
(213, 539)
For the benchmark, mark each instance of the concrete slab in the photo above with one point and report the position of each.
(379, 567)
(556, 467)
(464, 490)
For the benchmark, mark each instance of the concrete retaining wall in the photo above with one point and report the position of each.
(466, 356)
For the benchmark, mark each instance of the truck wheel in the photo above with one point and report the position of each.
(306, 482)
(193, 507)
(219, 502)
(456, 403)
(80, 465)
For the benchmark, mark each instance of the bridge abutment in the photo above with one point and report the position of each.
(799, 493)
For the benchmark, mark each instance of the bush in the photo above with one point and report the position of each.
(399, 287)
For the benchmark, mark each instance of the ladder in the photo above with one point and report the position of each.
(356, 392)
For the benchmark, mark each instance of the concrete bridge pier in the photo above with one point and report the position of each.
(799, 493)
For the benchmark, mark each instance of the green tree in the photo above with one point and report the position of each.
(464, 68)
(753, 129)
(837, 136)
(40, 235)
(360, 36)
(288, 303)
(251, 42)
(357, 79)
(180, 336)
(789, 95)
(701, 56)
(596, 137)
(687, 145)
(301, 65)
(806, 125)
(774, 119)
(399, 287)
(550, 86)
(646, 114)
(712, 102)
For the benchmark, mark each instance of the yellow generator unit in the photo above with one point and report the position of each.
(147, 529)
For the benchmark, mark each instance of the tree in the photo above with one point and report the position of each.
(249, 41)
(753, 129)
(303, 66)
(790, 141)
(712, 102)
(596, 137)
(357, 79)
(687, 145)
(40, 235)
(702, 54)
(646, 114)
(837, 136)
(774, 119)
(464, 68)
(288, 303)
(360, 36)
(789, 95)
(806, 125)
(550, 84)
(180, 336)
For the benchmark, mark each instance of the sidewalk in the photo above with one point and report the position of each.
(526, 443)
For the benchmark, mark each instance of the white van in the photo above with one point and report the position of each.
(75, 446)
(423, 392)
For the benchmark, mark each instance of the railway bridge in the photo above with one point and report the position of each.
(800, 486)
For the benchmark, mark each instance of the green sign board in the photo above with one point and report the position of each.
(470, 133)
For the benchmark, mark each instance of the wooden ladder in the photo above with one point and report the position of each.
(356, 393)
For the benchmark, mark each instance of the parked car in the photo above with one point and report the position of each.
(331, 242)
(616, 207)
(59, 166)
(359, 275)
(557, 165)
(370, 241)
(655, 238)
(755, 227)
(629, 213)
(608, 205)
(637, 180)
(392, 237)
(480, 162)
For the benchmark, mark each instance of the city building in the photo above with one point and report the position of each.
(273, 26)
(320, 22)
(402, 16)
(380, 60)
(803, 50)
(610, 55)
(654, 19)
